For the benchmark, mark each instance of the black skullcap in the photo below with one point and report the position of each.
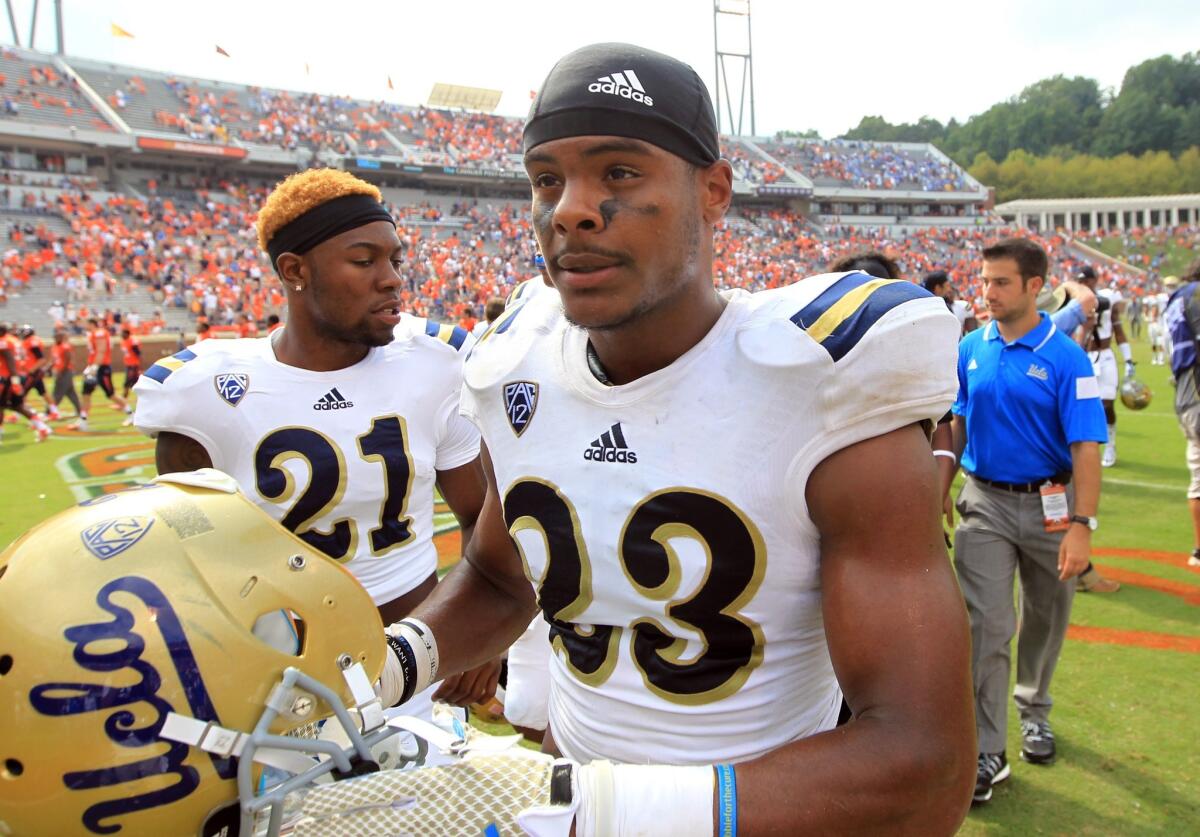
(323, 222)
(1086, 272)
(624, 90)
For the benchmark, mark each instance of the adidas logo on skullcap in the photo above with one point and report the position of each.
(625, 84)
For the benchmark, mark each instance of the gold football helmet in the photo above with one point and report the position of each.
(138, 621)
(1135, 395)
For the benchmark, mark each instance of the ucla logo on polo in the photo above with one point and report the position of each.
(231, 386)
(110, 538)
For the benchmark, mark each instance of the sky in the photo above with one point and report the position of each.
(816, 65)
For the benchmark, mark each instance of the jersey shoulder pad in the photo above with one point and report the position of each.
(423, 329)
(525, 290)
(182, 366)
(825, 318)
(511, 336)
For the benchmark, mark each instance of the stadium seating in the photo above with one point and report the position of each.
(856, 164)
(34, 90)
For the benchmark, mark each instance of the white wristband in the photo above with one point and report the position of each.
(949, 454)
(626, 799)
(413, 662)
(1126, 352)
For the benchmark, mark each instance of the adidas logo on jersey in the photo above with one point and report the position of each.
(332, 400)
(610, 447)
(626, 85)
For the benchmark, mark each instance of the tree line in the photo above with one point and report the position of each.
(1065, 137)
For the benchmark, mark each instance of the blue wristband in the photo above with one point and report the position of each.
(726, 800)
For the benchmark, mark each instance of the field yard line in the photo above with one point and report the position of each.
(1136, 639)
(1140, 484)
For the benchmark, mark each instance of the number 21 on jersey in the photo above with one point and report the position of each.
(386, 443)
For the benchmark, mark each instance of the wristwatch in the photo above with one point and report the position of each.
(1090, 522)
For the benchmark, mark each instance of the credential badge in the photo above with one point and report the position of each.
(110, 538)
(231, 386)
(520, 400)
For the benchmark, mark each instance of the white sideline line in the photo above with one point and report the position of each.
(1139, 484)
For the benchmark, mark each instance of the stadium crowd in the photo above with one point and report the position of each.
(867, 165)
(198, 253)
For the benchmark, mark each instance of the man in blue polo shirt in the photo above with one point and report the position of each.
(1027, 427)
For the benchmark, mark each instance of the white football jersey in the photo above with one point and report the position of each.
(346, 459)
(663, 522)
(1104, 322)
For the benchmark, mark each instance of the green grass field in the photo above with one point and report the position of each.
(1176, 256)
(1127, 687)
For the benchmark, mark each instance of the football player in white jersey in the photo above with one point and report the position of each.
(1099, 347)
(723, 504)
(340, 424)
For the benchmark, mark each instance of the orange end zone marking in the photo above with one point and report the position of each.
(1135, 639)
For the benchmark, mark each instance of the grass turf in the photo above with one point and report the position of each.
(1123, 717)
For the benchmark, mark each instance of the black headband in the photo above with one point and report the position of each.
(323, 222)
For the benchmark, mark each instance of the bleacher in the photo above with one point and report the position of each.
(858, 164)
(42, 94)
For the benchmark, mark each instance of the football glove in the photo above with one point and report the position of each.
(517, 792)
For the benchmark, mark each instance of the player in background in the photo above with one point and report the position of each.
(12, 383)
(340, 424)
(62, 364)
(938, 283)
(37, 364)
(703, 567)
(273, 323)
(131, 357)
(98, 372)
(492, 309)
(1099, 347)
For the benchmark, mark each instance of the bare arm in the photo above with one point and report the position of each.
(464, 489)
(1075, 550)
(898, 638)
(943, 440)
(489, 584)
(175, 452)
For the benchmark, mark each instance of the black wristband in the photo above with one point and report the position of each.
(408, 666)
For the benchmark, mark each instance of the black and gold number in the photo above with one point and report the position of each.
(731, 644)
(386, 443)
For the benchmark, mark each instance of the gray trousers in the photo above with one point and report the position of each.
(64, 387)
(1001, 535)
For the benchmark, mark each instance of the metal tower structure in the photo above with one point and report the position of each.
(33, 16)
(732, 14)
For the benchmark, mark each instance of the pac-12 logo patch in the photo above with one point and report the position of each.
(109, 538)
(231, 386)
(520, 400)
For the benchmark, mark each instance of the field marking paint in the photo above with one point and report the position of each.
(1190, 593)
(1135, 639)
(1173, 559)
(1140, 484)
(103, 470)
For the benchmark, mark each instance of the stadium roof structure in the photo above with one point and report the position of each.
(1094, 213)
(469, 98)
